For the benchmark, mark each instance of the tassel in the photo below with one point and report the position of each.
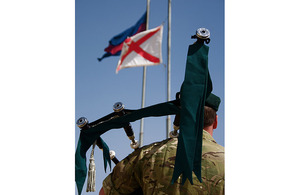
(91, 183)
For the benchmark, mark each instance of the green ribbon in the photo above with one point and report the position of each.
(80, 163)
(106, 156)
(196, 87)
(88, 136)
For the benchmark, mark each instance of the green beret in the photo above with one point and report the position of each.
(213, 101)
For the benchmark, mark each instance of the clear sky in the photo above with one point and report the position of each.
(97, 85)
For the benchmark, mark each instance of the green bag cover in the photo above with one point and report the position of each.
(80, 165)
(196, 87)
(88, 136)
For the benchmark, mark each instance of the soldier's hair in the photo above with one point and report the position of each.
(209, 116)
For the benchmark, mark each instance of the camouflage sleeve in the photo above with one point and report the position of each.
(108, 186)
(220, 187)
(213, 172)
(123, 179)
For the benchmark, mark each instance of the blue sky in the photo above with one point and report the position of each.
(97, 85)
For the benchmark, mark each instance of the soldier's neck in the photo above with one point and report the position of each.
(209, 129)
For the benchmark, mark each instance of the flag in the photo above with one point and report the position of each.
(142, 49)
(116, 43)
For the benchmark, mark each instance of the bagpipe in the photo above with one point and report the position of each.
(188, 108)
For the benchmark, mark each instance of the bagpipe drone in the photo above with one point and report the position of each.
(188, 108)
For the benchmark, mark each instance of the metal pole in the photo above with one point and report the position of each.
(169, 67)
(144, 82)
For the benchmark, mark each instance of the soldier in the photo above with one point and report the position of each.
(149, 170)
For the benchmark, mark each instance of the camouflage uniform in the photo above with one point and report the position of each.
(150, 169)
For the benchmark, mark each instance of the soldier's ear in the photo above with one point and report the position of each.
(215, 124)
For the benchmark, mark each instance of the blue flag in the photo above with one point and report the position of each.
(116, 43)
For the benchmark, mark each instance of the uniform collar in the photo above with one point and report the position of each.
(208, 137)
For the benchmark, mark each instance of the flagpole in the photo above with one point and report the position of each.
(169, 67)
(144, 82)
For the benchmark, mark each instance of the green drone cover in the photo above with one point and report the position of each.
(195, 89)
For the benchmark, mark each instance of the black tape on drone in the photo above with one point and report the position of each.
(119, 110)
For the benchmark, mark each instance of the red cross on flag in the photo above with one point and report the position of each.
(142, 49)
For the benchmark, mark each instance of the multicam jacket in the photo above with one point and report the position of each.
(150, 169)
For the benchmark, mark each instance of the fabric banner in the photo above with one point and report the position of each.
(80, 165)
(195, 89)
(142, 49)
(116, 43)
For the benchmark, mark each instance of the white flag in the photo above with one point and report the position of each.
(142, 49)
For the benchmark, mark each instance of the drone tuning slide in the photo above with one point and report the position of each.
(119, 109)
(113, 157)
